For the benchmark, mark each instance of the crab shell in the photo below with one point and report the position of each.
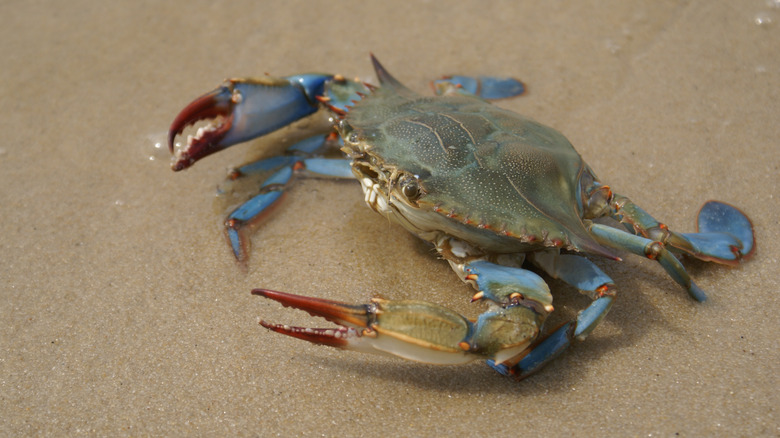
(459, 166)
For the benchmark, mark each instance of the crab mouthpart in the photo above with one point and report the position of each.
(217, 106)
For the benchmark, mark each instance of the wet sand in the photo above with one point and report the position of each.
(123, 312)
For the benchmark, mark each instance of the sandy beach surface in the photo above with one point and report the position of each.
(122, 311)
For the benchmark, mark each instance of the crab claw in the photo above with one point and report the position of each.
(349, 317)
(242, 109)
(211, 105)
(412, 330)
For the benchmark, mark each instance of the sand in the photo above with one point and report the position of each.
(123, 312)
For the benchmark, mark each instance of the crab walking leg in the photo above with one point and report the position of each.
(506, 289)
(726, 237)
(651, 249)
(581, 273)
(495, 282)
(243, 219)
(486, 87)
(504, 285)
(554, 344)
(716, 222)
(518, 303)
(725, 233)
(575, 270)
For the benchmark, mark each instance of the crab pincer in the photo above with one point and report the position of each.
(350, 318)
(415, 330)
(242, 109)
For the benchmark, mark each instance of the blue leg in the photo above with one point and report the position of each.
(575, 270)
(513, 286)
(502, 284)
(725, 234)
(581, 273)
(240, 223)
(554, 344)
(652, 249)
(486, 87)
(589, 279)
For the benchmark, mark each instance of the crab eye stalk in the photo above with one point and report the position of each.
(347, 132)
(410, 187)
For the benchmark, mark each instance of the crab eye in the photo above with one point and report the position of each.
(410, 188)
(347, 132)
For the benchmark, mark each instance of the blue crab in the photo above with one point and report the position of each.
(494, 192)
